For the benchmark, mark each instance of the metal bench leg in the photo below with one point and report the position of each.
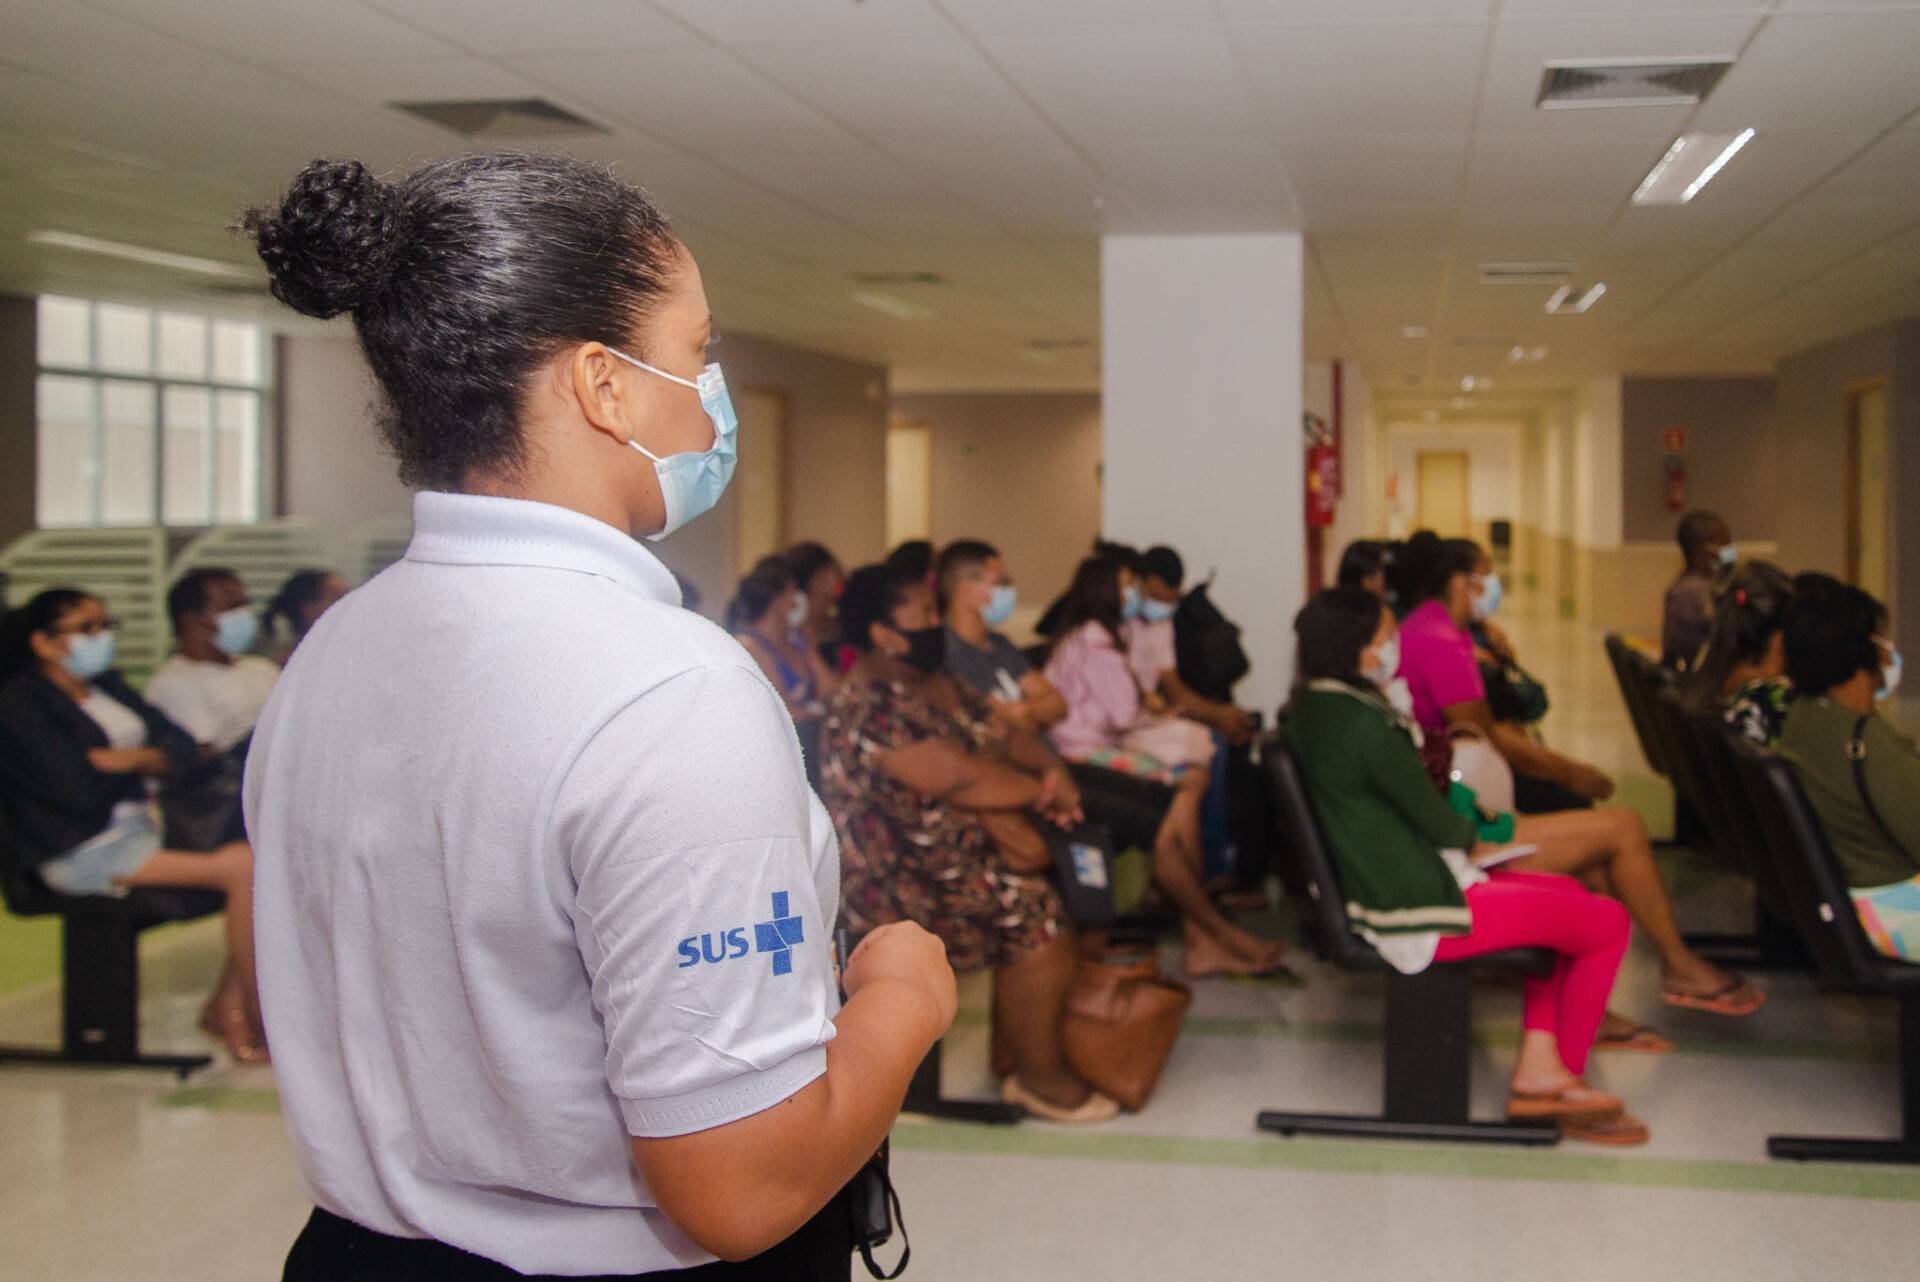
(1904, 1150)
(924, 1097)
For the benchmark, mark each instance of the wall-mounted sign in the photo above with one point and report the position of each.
(1674, 439)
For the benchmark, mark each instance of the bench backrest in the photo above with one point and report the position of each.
(1306, 844)
(1623, 658)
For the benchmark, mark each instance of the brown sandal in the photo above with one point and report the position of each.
(1646, 1040)
(1727, 1000)
(1617, 1130)
(1525, 1104)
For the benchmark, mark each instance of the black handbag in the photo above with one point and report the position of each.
(1083, 868)
(874, 1205)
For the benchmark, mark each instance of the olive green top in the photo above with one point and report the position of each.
(1385, 822)
(1815, 740)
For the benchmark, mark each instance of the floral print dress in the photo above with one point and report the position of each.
(905, 856)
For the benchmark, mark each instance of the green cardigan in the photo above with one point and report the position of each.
(1384, 821)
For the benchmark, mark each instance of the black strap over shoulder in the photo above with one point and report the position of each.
(1857, 754)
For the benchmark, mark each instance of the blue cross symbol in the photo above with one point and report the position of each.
(779, 935)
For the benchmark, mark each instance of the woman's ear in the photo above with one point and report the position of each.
(595, 380)
(47, 649)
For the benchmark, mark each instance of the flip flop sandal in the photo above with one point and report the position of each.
(1521, 1104)
(1719, 1002)
(1097, 1108)
(1621, 1130)
(1643, 1039)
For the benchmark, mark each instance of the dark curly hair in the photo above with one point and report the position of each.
(1747, 613)
(463, 277)
(1829, 633)
(757, 591)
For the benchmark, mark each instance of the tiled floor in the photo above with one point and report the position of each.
(130, 1176)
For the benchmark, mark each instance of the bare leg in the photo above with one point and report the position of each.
(1029, 1011)
(230, 871)
(1609, 850)
(1177, 870)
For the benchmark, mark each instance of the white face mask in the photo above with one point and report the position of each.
(1387, 662)
(797, 612)
(1488, 602)
(1889, 673)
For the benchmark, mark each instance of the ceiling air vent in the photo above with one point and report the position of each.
(897, 278)
(1525, 273)
(503, 118)
(1629, 82)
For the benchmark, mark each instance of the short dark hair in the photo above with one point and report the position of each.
(1433, 565)
(1332, 630)
(189, 594)
(463, 277)
(806, 560)
(873, 593)
(1362, 559)
(915, 556)
(1163, 563)
(41, 613)
(1696, 530)
(1829, 633)
(757, 591)
(959, 559)
(1747, 612)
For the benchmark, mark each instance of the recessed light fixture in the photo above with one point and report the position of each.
(1518, 354)
(1567, 300)
(141, 254)
(1430, 416)
(887, 305)
(1689, 165)
(1413, 331)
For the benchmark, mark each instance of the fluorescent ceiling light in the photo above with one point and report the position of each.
(1468, 383)
(887, 305)
(1413, 331)
(140, 254)
(1689, 165)
(1564, 300)
(1519, 354)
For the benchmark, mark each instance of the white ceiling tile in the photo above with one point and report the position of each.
(1822, 71)
(1199, 186)
(1076, 17)
(285, 30)
(751, 22)
(1525, 9)
(1889, 170)
(381, 83)
(1363, 79)
(1126, 85)
(577, 26)
(1398, 12)
(1537, 166)
(1406, 168)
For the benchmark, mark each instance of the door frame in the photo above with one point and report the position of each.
(1853, 393)
(783, 482)
(913, 425)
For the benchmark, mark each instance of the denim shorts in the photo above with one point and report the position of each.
(95, 865)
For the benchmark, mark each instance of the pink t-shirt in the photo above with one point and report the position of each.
(1103, 703)
(1150, 653)
(1436, 659)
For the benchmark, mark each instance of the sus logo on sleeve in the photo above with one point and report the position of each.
(779, 937)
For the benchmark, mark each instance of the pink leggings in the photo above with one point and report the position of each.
(1546, 910)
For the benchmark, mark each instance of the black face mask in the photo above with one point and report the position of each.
(926, 649)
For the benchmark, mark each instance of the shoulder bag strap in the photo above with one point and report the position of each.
(1857, 754)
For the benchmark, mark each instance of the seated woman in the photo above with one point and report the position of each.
(769, 614)
(1607, 847)
(1119, 739)
(1364, 564)
(818, 576)
(77, 751)
(297, 606)
(1862, 776)
(1404, 861)
(1741, 675)
(934, 802)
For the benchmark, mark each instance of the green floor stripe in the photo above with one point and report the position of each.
(226, 1099)
(1505, 1037)
(1443, 1161)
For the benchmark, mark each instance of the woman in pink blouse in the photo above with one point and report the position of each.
(1112, 729)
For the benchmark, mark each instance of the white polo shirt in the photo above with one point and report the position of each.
(537, 869)
(216, 703)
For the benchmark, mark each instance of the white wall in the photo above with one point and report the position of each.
(1493, 468)
(1599, 518)
(1201, 368)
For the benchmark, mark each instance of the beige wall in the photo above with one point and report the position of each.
(1729, 453)
(1020, 470)
(333, 466)
(18, 443)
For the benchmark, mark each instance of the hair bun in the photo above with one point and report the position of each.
(333, 243)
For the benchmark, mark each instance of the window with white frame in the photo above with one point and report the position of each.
(148, 417)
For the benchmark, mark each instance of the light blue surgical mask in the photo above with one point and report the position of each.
(1488, 602)
(236, 630)
(1388, 662)
(997, 611)
(1157, 611)
(1730, 555)
(797, 612)
(88, 657)
(691, 484)
(1889, 674)
(1130, 603)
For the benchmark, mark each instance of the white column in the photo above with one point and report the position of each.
(1201, 360)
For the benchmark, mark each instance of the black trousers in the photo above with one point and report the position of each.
(331, 1249)
(1131, 807)
(1538, 797)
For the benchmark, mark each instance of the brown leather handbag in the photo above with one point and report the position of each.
(1123, 1018)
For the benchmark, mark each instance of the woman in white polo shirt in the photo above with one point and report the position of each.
(544, 902)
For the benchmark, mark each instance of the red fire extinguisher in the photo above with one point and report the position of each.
(1676, 483)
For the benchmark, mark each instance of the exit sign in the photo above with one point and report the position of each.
(1675, 440)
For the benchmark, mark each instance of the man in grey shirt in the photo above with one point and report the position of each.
(976, 598)
(1707, 544)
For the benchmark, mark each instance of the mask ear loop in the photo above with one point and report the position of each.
(651, 369)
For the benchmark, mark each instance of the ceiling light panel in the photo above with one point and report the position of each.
(1693, 161)
(1571, 300)
(141, 254)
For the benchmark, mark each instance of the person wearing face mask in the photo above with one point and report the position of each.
(548, 901)
(1122, 745)
(818, 575)
(1150, 644)
(977, 599)
(1862, 775)
(212, 685)
(1409, 865)
(1608, 846)
(80, 753)
(1709, 554)
(768, 615)
(937, 802)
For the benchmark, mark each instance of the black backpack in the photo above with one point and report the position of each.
(1206, 646)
